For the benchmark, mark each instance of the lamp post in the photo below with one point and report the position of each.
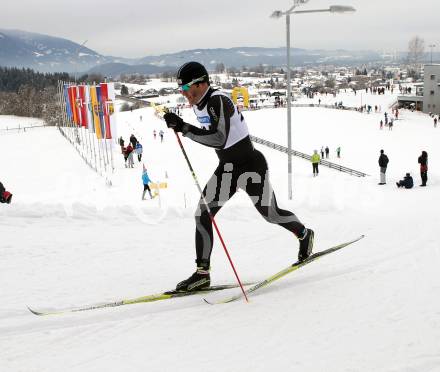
(287, 13)
(76, 54)
(431, 46)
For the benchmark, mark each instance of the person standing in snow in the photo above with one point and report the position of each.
(121, 143)
(423, 161)
(338, 152)
(129, 154)
(5, 196)
(327, 152)
(322, 152)
(139, 150)
(124, 152)
(154, 133)
(315, 159)
(383, 163)
(161, 133)
(240, 166)
(146, 180)
(435, 122)
(133, 141)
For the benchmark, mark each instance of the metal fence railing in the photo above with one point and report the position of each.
(20, 128)
(325, 163)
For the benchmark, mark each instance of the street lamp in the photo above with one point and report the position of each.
(76, 54)
(431, 46)
(287, 13)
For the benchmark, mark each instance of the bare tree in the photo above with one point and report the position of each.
(416, 50)
(220, 68)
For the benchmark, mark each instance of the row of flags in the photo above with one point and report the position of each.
(92, 107)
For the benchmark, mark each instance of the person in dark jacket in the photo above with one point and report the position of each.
(407, 182)
(423, 161)
(383, 163)
(122, 144)
(133, 141)
(241, 166)
(5, 196)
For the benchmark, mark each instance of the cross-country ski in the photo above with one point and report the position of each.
(297, 265)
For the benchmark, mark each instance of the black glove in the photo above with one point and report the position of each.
(174, 122)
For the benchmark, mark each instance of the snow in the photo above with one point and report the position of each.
(69, 239)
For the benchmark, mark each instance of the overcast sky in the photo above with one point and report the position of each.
(136, 28)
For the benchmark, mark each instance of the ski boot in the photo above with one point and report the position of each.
(306, 244)
(199, 280)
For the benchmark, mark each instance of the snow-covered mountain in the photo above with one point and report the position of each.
(52, 54)
(45, 53)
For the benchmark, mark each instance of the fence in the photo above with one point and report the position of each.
(325, 163)
(21, 128)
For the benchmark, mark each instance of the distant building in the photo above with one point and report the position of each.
(426, 97)
(431, 89)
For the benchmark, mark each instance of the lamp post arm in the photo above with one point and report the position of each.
(311, 11)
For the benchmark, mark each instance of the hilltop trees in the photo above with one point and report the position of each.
(24, 92)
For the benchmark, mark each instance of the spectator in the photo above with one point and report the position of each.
(139, 150)
(315, 162)
(133, 141)
(407, 182)
(383, 164)
(129, 156)
(5, 196)
(146, 180)
(423, 161)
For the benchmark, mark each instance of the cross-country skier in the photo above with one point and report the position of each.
(240, 166)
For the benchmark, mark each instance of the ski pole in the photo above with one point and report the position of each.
(211, 216)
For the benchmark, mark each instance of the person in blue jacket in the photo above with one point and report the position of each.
(407, 182)
(146, 180)
(139, 150)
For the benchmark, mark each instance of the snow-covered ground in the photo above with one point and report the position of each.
(69, 239)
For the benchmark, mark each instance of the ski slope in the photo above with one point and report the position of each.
(69, 239)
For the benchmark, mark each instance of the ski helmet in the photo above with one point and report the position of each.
(191, 71)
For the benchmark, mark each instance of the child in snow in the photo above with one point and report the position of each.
(139, 150)
(146, 180)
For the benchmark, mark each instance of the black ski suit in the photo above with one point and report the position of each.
(240, 166)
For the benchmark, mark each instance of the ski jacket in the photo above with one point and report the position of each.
(222, 127)
(133, 140)
(408, 182)
(139, 148)
(383, 161)
(145, 179)
(423, 161)
(315, 158)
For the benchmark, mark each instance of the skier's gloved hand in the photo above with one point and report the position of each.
(174, 121)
